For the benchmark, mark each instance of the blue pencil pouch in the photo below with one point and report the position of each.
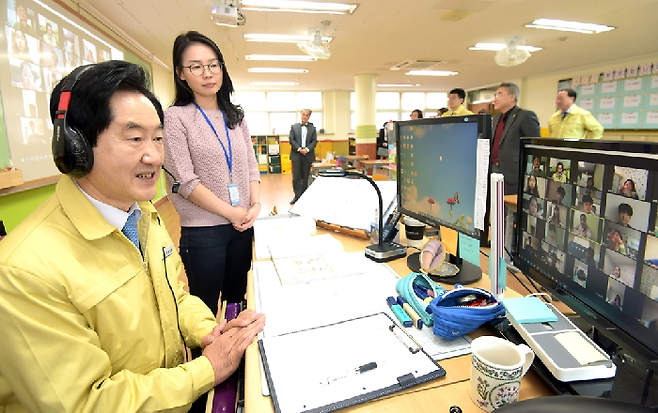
(411, 286)
(462, 310)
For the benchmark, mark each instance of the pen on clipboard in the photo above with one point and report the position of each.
(359, 370)
(405, 339)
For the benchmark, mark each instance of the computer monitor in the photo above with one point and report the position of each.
(587, 231)
(442, 172)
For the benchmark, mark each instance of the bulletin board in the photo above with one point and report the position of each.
(622, 99)
(44, 41)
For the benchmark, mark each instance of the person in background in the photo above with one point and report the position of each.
(416, 114)
(456, 99)
(208, 149)
(533, 207)
(570, 121)
(582, 228)
(19, 46)
(560, 175)
(589, 257)
(303, 138)
(441, 111)
(28, 80)
(588, 204)
(90, 298)
(22, 22)
(382, 142)
(615, 242)
(509, 126)
(49, 36)
(590, 188)
(536, 167)
(531, 186)
(625, 212)
(627, 189)
(560, 193)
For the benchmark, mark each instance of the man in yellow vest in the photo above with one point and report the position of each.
(456, 107)
(570, 121)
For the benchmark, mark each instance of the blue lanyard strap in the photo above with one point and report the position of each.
(229, 155)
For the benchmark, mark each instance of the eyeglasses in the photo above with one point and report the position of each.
(198, 70)
(497, 95)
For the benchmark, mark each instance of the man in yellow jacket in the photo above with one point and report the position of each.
(570, 121)
(93, 315)
(456, 99)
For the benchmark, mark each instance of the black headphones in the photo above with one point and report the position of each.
(72, 152)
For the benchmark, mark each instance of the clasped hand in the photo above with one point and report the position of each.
(225, 345)
(243, 219)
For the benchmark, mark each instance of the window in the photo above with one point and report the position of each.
(281, 101)
(250, 101)
(309, 100)
(436, 100)
(387, 100)
(413, 100)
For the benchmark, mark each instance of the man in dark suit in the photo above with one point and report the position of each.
(509, 126)
(303, 139)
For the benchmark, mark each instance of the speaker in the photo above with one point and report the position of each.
(72, 152)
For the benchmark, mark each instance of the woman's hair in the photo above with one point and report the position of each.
(184, 95)
(632, 184)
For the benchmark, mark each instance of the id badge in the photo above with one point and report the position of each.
(234, 194)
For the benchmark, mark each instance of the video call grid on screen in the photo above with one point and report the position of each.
(438, 167)
(42, 45)
(588, 222)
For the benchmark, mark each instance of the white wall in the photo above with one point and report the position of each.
(539, 92)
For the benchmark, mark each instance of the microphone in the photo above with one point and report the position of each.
(176, 184)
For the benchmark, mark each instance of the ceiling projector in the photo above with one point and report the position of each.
(223, 15)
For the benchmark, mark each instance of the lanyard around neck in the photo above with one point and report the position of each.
(229, 155)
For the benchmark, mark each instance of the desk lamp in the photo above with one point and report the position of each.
(382, 251)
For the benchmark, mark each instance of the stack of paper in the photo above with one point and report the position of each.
(528, 310)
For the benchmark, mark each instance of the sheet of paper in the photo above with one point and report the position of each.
(469, 249)
(292, 245)
(315, 267)
(275, 227)
(449, 237)
(346, 202)
(482, 179)
(304, 380)
(300, 306)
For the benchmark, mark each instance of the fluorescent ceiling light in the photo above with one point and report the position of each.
(495, 47)
(274, 83)
(298, 6)
(282, 38)
(275, 70)
(287, 58)
(395, 85)
(430, 73)
(567, 26)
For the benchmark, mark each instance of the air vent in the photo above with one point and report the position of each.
(417, 64)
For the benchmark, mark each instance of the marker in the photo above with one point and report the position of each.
(399, 312)
(420, 292)
(359, 370)
(418, 322)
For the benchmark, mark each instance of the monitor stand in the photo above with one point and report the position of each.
(468, 273)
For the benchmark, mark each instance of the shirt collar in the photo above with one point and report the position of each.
(116, 217)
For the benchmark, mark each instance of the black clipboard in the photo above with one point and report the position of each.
(317, 370)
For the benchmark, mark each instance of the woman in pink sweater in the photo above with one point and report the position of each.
(208, 149)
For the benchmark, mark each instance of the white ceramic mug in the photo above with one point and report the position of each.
(497, 367)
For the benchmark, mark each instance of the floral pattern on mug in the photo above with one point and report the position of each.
(504, 394)
(496, 373)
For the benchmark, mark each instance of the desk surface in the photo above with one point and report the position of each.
(435, 396)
